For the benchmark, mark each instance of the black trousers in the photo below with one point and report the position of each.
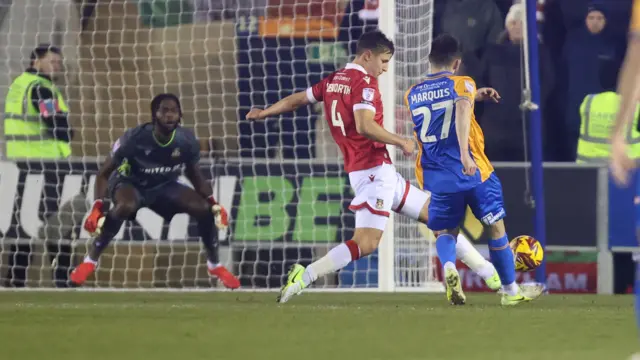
(20, 257)
(58, 223)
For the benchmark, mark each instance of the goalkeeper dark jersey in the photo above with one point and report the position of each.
(147, 163)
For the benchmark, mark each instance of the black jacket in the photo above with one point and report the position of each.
(58, 123)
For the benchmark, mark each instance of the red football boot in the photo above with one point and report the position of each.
(80, 274)
(227, 278)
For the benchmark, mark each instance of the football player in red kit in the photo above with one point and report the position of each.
(353, 106)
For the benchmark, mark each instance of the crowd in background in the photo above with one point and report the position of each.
(581, 47)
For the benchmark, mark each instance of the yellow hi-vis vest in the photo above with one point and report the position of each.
(598, 113)
(25, 134)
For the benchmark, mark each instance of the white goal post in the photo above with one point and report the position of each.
(282, 181)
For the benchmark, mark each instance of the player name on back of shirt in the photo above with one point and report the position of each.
(430, 95)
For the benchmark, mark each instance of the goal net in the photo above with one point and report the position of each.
(282, 180)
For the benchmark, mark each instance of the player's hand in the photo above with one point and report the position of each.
(408, 146)
(220, 215)
(469, 166)
(255, 114)
(95, 220)
(620, 163)
(487, 93)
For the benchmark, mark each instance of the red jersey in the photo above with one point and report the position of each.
(344, 92)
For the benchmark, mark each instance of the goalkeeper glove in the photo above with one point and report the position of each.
(220, 215)
(94, 222)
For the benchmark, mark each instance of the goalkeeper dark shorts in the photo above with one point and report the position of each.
(162, 199)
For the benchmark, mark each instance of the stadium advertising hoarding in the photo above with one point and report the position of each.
(304, 204)
(293, 202)
(566, 273)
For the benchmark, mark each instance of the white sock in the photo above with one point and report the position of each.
(450, 266)
(336, 259)
(511, 289)
(211, 265)
(469, 255)
(87, 259)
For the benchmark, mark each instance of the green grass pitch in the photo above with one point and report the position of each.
(314, 326)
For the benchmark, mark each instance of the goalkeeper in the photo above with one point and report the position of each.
(143, 171)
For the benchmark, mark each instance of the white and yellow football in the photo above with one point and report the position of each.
(527, 253)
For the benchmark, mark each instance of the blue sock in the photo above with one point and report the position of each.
(636, 290)
(502, 259)
(446, 247)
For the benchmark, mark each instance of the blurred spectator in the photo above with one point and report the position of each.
(598, 112)
(475, 23)
(501, 66)
(586, 50)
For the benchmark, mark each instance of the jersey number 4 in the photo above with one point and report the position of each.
(336, 118)
(447, 105)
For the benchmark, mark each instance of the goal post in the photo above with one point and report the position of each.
(388, 86)
(281, 180)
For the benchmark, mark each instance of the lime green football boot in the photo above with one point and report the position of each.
(294, 285)
(494, 282)
(526, 293)
(455, 295)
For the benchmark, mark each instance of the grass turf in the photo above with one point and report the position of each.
(314, 326)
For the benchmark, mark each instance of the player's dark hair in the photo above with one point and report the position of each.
(42, 50)
(445, 49)
(375, 41)
(155, 104)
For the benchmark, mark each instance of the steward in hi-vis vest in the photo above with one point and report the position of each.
(598, 115)
(35, 113)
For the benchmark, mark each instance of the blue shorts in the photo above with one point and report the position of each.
(446, 211)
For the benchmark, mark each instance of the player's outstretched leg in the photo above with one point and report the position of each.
(126, 203)
(470, 256)
(365, 241)
(189, 201)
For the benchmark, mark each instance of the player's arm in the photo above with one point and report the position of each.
(121, 149)
(93, 223)
(463, 127)
(102, 178)
(288, 104)
(202, 187)
(193, 173)
(628, 89)
(369, 128)
(363, 98)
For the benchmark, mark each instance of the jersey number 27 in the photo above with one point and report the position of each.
(447, 105)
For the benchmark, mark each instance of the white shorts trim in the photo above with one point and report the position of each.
(379, 191)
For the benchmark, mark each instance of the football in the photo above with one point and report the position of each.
(527, 253)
